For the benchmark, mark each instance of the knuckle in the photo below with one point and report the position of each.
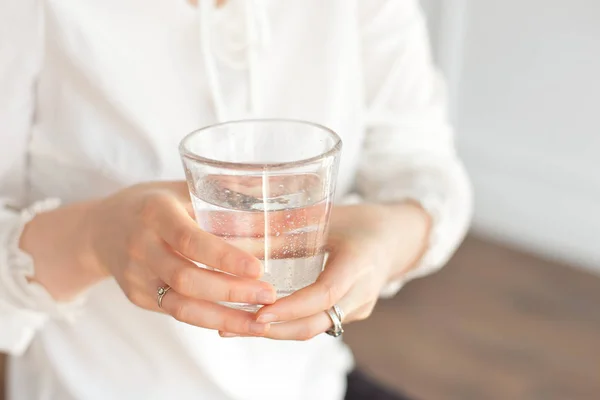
(230, 294)
(307, 333)
(182, 281)
(234, 325)
(294, 313)
(189, 209)
(136, 247)
(150, 207)
(365, 312)
(135, 297)
(129, 275)
(330, 293)
(180, 312)
(304, 338)
(221, 258)
(236, 293)
(184, 238)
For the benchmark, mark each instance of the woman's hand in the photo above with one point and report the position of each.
(145, 237)
(369, 246)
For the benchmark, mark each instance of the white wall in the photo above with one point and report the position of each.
(525, 81)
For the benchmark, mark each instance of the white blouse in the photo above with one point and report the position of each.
(95, 96)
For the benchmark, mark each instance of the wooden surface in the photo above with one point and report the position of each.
(494, 324)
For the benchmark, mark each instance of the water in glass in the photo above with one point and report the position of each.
(279, 218)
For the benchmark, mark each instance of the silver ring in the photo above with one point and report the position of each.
(340, 313)
(161, 291)
(336, 315)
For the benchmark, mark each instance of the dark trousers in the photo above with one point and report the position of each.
(363, 387)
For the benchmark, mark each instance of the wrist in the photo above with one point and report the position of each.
(412, 225)
(85, 254)
(57, 242)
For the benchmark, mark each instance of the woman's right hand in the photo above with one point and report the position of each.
(145, 236)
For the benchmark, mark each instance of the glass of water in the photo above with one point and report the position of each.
(267, 187)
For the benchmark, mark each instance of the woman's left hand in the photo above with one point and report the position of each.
(369, 246)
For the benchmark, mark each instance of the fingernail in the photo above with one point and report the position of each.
(227, 334)
(265, 297)
(266, 318)
(257, 327)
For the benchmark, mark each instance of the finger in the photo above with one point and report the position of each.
(343, 269)
(170, 220)
(141, 288)
(300, 329)
(211, 315)
(190, 280)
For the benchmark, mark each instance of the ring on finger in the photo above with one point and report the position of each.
(340, 313)
(336, 315)
(161, 292)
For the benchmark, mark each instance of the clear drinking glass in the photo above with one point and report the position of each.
(266, 186)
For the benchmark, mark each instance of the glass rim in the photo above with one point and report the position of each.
(186, 153)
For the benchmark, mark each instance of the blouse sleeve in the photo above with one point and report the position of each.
(24, 306)
(409, 151)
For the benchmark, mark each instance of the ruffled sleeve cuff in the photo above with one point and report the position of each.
(25, 305)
